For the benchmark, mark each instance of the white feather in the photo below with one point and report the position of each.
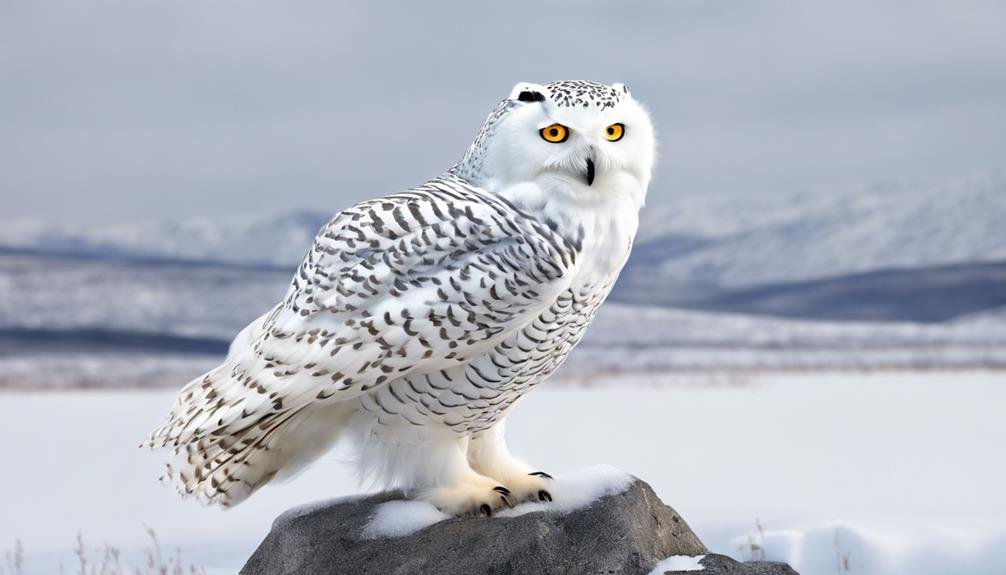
(416, 321)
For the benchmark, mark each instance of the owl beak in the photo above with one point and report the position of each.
(590, 171)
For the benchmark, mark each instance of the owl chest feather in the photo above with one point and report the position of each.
(600, 224)
(469, 398)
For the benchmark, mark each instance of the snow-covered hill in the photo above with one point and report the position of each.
(726, 241)
(882, 252)
(256, 239)
(72, 322)
(734, 242)
(921, 294)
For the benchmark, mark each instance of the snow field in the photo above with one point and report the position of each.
(896, 473)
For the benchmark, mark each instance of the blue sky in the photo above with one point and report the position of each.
(117, 110)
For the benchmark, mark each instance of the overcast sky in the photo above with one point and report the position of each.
(137, 109)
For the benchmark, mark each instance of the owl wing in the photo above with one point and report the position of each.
(418, 281)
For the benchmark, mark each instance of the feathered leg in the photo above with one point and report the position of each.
(461, 489)
(489, 455)
(428, 462)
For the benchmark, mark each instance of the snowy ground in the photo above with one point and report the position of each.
(885, 474)
(106, 348)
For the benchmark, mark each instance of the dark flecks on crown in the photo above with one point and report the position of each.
(583, 94)
(563, 94)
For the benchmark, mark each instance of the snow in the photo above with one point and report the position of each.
(52, 337)
(401, 518)
(63, 369)
(261, 238)
(579, 489)
(902, 473)
(736, 240)
(175, 299)
(679, 563)
(732, 240)
(841, 548)
(638, 338)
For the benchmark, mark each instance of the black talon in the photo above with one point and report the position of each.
(501, 489)
(541, 474)
(506, 501)
(486, 509)
(544, 496)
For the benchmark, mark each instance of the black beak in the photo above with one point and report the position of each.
(590, 171)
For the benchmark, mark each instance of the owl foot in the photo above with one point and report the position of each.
(475, 496)
(535, 486)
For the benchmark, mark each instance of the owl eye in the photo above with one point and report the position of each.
(614, 132)
(556, 133)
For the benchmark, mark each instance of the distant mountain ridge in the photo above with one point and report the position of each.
(738, 242)
(254, 240)
(922, 294)
(800, 254)
(915, 276)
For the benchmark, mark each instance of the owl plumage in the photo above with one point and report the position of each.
(417, 320)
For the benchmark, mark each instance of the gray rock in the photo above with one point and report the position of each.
(714, 564)
(626, 533)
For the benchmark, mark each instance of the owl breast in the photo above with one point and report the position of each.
(469, 398)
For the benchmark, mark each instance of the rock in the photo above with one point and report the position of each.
(714, 564)
(627, 532)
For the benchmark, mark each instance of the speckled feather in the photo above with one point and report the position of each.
(430, 278)
(435, 307)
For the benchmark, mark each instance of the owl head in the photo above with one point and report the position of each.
(571, 137)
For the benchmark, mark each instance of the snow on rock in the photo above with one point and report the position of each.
(400, 518)
(578, 490)
(610, 523)
(679, 563)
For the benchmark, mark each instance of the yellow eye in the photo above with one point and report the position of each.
(614, 132)
(555, 133)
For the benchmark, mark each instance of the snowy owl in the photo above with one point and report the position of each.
(417, 320)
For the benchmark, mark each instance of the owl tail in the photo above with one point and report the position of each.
(221, 458)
